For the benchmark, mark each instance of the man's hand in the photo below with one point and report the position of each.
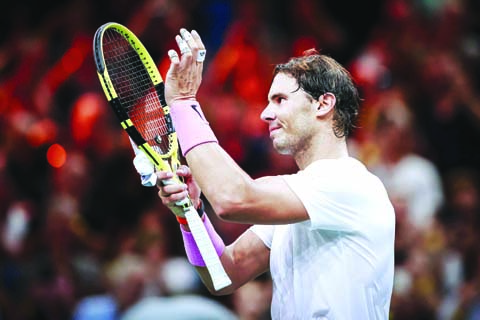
(185, 73)
(172, 193)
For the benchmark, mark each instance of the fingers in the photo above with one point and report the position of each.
(195, 44)
(164, 175)
(190, 45)
(202, 52)
(184, 171)
(171, 193)
(170, 189)
(183, 46)
(184, 75)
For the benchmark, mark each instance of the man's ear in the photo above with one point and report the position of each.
(326, 103)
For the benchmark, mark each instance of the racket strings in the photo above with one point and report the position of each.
(136, 91)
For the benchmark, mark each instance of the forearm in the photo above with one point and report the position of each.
(223, 182)
(243, 260)
(207, 280)
(226, 186)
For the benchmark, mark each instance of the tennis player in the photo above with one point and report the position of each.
(325, 233)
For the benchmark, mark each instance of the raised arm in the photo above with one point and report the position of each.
(236, 197)
(233, 194)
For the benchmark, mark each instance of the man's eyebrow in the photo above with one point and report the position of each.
(275, 96)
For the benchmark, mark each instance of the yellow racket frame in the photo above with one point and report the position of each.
(161, 161)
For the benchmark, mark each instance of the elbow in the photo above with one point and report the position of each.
(228, 210)
(232, 203)
(233, 207)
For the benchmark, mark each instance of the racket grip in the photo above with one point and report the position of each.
(192, 247)
(207, 250)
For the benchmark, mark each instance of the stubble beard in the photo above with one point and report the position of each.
(294, 145)
(288, 145)
(282, 148)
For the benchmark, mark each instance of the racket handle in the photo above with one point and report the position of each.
(213, 264)
(212, 261)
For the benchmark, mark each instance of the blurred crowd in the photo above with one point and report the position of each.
(80, 238)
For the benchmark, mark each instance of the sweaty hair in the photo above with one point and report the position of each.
(317, 74)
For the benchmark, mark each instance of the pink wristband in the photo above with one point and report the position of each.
(191, 126)
(191, 248)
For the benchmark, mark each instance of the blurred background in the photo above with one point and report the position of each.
(80, 238)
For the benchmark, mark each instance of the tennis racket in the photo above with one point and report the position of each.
(135, 91)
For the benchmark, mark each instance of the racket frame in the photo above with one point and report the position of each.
(217, 273)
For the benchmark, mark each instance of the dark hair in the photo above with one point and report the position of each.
(317, 74)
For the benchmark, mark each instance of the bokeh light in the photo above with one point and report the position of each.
(41, 132)
(56, 155)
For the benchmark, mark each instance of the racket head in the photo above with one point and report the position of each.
(135, 90)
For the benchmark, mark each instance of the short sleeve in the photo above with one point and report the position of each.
(335, 194)
(265, 233)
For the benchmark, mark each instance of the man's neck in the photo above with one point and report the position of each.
(327, 147)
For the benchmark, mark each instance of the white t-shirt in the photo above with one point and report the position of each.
(339, 264)
(417, 181)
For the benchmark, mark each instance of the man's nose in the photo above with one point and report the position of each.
(267, 114)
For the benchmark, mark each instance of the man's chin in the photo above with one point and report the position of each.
(281, 149)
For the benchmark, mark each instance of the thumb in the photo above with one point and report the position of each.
(174, 63)
(171, 85)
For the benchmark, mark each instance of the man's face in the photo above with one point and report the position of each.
(290, 115)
